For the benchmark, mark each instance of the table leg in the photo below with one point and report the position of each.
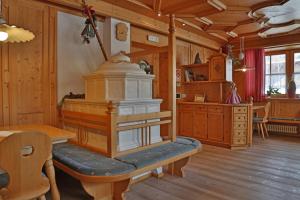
(51, 175)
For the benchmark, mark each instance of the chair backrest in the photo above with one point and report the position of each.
(22, 156)
(267, 110)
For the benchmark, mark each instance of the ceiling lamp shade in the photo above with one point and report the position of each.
(14, 34)
(244, 68)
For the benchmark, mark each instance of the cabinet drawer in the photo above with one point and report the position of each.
(240, 109)
(239, 141)
(187, 107)
(240, 117)
(240, 125)
(239, 133)
(201, 108)
(215, 109)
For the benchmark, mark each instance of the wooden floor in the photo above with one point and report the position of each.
(270, 170)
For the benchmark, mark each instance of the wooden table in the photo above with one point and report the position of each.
(57, 135)
(257, 107)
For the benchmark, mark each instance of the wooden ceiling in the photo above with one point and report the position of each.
(224, 20)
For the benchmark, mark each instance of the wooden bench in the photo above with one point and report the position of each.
(285, 120)
(108, 175)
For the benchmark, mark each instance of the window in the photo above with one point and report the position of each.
(297, 71)
(275, 74)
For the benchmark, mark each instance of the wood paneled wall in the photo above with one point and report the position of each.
(28, 69)
(185, 54)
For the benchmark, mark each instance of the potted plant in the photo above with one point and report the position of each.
(272, 91)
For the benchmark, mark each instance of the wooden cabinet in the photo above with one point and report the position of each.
(200, 124)
(220, 68)
(186, 123)
(215, 126)
(218, 124)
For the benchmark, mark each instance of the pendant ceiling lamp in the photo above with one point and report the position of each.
(244, 67)
(12, 33)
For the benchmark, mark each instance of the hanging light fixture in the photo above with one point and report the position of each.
(244, 67)
(12, 33)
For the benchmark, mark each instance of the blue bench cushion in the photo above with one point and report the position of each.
(4, 179)
(188, 141)
(156, 154)
(286, 118)
(257, 119)
(87, 162)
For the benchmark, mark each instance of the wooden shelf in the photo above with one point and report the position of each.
(199, 82)
(195, 65)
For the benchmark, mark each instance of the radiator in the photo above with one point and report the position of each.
(281, 128)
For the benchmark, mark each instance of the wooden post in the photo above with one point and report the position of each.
(112, 133)
(172, 76)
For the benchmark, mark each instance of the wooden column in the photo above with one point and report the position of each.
(172, 76)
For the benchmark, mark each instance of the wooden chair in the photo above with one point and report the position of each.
(22, 156)
(261, 122)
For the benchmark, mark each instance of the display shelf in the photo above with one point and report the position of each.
(196, 65)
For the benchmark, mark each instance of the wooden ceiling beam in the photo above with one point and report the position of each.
(140, 4)
(177, 7)
(238, 9)
(269, 42)
(207, 13)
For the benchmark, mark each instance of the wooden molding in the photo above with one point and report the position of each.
(257, 42)
(104, 8)
(257, 18)
(177, 7)
(264, 5)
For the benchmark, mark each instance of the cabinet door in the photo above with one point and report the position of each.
(186, 123)
(217, 68)
(215, 126)
(200, 125)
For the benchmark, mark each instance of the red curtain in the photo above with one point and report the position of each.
(255, 79)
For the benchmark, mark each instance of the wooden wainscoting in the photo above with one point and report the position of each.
(28, 69)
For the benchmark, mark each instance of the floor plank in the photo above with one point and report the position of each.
(270, 170)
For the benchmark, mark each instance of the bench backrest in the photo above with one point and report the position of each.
(112, 124)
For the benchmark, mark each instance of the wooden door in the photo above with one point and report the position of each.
(186, 123)
(200, 125)
(215, 130)
(27, 64)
